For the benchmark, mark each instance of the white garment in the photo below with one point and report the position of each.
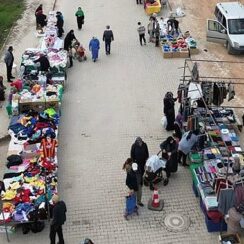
(194, 91)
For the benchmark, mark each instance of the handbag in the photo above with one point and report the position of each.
(164, 122)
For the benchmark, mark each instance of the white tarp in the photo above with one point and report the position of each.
(155, 163)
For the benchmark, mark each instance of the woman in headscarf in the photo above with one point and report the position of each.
(68, 40)
(169, 110)
(167, 147)
(94, 47)
(80, 17)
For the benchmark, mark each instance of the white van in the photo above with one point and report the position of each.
(229, 26)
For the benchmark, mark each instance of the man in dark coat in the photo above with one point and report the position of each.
(139, 153)
(44, 63)
(60, 24)
(108, 37)
(9, 61)
(59, 217)
(68, 40)
(41, 19)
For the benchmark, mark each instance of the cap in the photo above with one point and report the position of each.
(134, 166)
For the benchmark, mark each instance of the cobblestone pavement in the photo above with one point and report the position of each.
(106, 105)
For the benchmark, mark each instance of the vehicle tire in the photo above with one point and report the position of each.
(230, 49)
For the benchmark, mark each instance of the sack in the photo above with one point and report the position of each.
(37, 226)
(164, 122)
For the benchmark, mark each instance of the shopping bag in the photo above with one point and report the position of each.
(164, 122)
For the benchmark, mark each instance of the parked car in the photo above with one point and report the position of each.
(228, 28)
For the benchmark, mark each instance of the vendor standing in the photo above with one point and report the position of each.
(169, 110)
(139, 153)
(60, 24)
(68, 40)
(80, 17)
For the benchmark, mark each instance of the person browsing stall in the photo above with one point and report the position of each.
(188, 140)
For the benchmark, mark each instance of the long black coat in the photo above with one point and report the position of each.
(139, 154)
(68, 40)
(131, 180)
(59, 213)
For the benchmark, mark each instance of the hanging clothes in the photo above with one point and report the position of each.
(226, 200)
(231, 92)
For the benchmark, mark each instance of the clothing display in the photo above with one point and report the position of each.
(32, 173)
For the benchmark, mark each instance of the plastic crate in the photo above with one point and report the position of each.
(194, 188)
(212, 225)
(215, 227)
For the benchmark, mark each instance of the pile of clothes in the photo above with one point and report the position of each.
(30, 178)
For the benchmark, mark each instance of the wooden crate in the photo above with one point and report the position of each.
(184, 54)
(175, 54)
(167, 54)
(32, 105)
(235, 236)
(53, 104)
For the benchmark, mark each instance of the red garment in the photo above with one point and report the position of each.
(48, 147)
(17, 84)
(23, 196)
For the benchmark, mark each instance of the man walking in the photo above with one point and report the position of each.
(59, 217)
(9, 60)
(108, 37)
(141, 30)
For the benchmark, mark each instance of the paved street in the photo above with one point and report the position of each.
(106, 105)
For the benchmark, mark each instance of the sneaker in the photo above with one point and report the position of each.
(141, 204)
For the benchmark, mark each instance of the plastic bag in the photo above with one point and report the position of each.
(164, 122)
(179, 12)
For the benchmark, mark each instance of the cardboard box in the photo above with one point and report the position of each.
(168, 54)
(236, 237)
(176, 55)
(36, 106)
(53, 104)
(184, 54)
(194, 51)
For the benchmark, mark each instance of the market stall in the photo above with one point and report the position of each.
(217, 161)
(30, 178)
(174, 43)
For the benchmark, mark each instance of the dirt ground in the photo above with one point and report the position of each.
(197, 12)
